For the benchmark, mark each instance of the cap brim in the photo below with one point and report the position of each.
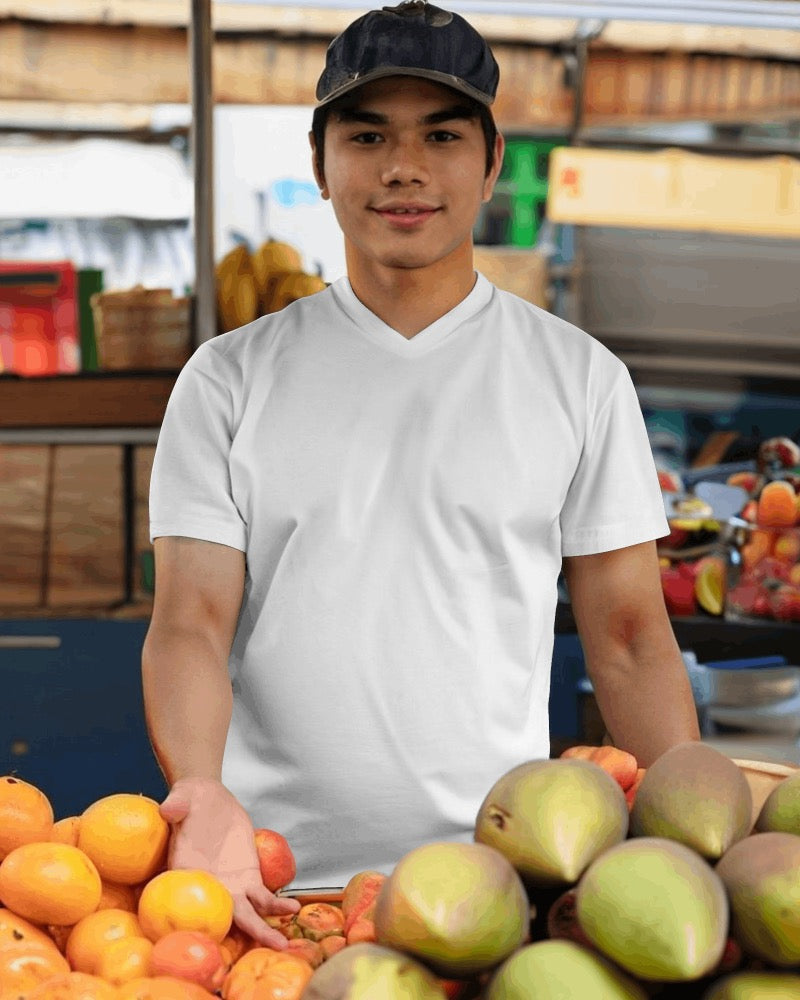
(453, 82)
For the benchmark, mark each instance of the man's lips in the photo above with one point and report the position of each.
(406, 216)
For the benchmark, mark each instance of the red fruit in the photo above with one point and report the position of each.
(749, 481)
(191, 955)
(778, 452)
(678, 589)
(743, 596)
(676, 538)
(785, 604)
(562, 920)
(770, 568)
(761, 605)
(750, 511)
(621, 765)
(670, 482)
(275, 859)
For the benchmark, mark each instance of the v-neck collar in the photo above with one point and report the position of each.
(387, 337)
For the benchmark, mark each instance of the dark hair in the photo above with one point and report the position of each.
(322, 115)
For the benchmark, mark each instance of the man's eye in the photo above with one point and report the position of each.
(367, 138)
(442, 135)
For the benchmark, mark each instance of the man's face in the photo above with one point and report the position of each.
(405, 172)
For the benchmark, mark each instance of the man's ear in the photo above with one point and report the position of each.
(319, 177)
(497, 163)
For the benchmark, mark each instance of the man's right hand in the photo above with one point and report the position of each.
(211, 831)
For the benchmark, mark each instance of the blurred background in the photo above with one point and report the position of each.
(156, 190)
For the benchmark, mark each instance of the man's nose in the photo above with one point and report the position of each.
(405, 164)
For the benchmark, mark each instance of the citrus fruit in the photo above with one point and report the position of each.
(25, 814)
(160, 988)
(74, 986)
(267, 974)
(90, 937)
(14, 929)
(709, 585)
(49, 883)
(125, 837)
(24, 965)
(65, 831)
(191, 955)
(117, 897)
(124, 959)
(185, 899)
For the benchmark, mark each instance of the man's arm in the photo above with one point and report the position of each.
(632, 657)
(188, 702)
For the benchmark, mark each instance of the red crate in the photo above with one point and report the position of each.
(39, 331)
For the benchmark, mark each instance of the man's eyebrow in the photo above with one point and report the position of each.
(457, 112)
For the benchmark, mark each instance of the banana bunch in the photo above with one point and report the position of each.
(249, 285)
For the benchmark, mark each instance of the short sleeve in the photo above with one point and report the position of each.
(190, 484)
(614, 498)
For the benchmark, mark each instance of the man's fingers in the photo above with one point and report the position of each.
(246, 918)
(174, 808)
(285, 904)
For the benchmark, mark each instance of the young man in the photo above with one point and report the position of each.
(360, 507)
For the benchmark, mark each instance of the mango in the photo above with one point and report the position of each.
(459, 908)
(762, 877)
(755, 986)
(781, 810)
(656, 908)
(369, 972)
(695, 795)
(560, 970)
(550, 818)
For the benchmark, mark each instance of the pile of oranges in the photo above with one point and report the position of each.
(89, 911)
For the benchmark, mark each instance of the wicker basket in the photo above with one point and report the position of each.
(141, 328)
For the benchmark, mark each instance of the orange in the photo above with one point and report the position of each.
(777, 506)
(74, 986)
(117, 897)
(266, 974)
(14, 929)
(188, 900)
(125, 836)
(92, 935)
(124, 959)
(24, 965)
(65, 831)
(49, 883)
(161, 988)
(25, 814)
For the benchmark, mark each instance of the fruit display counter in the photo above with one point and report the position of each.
(587, 878)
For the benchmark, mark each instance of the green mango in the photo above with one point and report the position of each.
(656, 908)
(550, 818)
(560, 970)
(781, 810)
(762, 878)
(367, 971)
(755, 986)
(459, 908)
(695, 795)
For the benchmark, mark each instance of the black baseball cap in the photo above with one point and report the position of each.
(412, 39)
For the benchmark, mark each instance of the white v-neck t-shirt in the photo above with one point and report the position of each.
(404, 506)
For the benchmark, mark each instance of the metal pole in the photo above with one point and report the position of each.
(201, 40)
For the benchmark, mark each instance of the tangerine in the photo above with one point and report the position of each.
(94, 933)
(14, 929)
(74, 986)
(267, 974)
(160, 988)
(185, 899)
(25, 814)
(49, 883)
(126, 958)
(125, 837)
(118, 897)
(24, 965)
(65, 831)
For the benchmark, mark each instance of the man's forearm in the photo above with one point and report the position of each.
(644, 695)
(188, 701)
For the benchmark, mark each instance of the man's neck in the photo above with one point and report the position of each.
(410, 299)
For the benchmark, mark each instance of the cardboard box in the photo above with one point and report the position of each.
(23, 501)
(521, 271)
